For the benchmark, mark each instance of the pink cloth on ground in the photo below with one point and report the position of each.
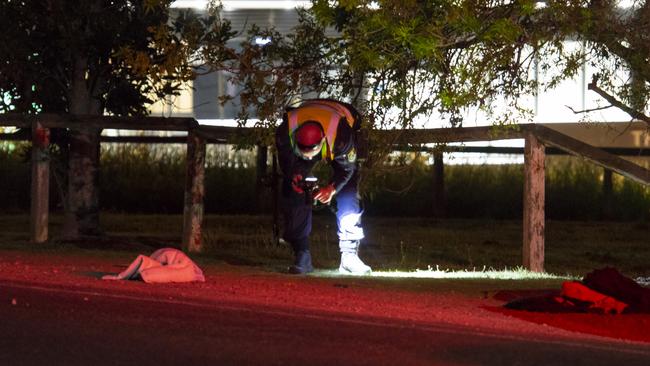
(163, 266)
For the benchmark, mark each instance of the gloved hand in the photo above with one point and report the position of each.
(324, 195)
(295, 183)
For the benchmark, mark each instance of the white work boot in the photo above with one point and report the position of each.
(352, 264)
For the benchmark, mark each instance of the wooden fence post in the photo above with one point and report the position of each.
(40, 189)
(261, 179)
(194, 193)
(608, 195)
(533, 251)
(275, 197)
(439, 204)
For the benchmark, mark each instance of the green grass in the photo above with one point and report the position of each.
(484, 274)
(392, 244)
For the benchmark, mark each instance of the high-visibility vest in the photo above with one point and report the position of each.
(326, 112)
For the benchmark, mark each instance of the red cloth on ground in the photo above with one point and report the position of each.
(601, 291)
(574, 290)
(610, 282)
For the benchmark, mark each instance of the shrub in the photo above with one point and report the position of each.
(15, 177)
(141, 178)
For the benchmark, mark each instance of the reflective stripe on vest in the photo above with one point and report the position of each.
(327, 113)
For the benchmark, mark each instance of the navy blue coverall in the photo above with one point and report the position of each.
(345, 178)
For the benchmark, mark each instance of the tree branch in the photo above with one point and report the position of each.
(588, 110)
(615, 102)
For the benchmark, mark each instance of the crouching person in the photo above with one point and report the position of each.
(321, 130)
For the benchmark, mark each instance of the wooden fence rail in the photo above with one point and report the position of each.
(536, 137)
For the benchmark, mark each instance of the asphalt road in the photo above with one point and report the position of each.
(45, 325)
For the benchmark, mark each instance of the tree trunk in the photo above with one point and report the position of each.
(82, 214)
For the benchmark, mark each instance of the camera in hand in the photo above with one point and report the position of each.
(309, 185)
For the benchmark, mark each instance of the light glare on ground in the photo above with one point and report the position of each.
(505, 274)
